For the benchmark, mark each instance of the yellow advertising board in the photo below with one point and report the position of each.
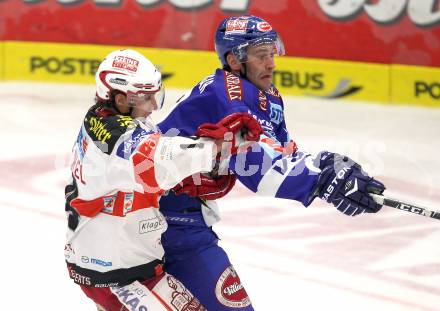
(332, 79)
(415, 85)
(32, 61)
(182, 68)
(2, 57)
(77, 63)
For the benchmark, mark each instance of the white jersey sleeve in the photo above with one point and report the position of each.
(119, 173)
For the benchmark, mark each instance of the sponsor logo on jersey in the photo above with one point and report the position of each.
(128, 203)
(97, 128)
(132, 296)
(262, 101)
(229, 290)
(128, 146)
(273, 91)
(236, 26)
(276, 113)
(151, 224)
(100, 262)
(79, 278)
(264, 26)
(126, 121)
(265, 124)
(233, 86)
(109, 204)
(82, 143)
(95, 261)
(181, 298)
(180, 219)
(126, 63)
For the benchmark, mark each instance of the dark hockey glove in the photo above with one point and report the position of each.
(237, 130)
(343, 183)
(206, 186)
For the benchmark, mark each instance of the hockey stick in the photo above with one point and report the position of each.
(383, 200)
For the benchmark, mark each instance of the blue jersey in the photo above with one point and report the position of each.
(269, 168)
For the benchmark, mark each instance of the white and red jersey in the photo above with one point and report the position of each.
(120, 168)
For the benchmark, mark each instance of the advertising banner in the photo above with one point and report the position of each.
(332, 79)
(411, 84)
(77, 63)
(380, 31)
(2, 58)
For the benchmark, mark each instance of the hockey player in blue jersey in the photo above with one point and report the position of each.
(246, 47)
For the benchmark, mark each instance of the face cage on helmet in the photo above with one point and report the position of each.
(240, 51)
(156, 97)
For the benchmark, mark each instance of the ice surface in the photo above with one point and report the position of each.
(288, 257)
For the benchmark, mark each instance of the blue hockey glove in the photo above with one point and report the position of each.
(343, 183)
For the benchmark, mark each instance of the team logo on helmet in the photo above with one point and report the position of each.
(126, 63)
(264, 26)
(236, 26)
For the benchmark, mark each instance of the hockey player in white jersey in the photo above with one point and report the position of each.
(120, 167)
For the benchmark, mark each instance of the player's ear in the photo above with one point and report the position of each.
(121, 103)
(233, 62)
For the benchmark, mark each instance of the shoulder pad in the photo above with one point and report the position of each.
(105, 131)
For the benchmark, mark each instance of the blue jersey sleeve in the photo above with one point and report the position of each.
(265, 169)
(268, 169)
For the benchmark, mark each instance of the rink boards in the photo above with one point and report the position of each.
(358, 81)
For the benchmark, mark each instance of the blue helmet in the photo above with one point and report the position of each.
(235, 34)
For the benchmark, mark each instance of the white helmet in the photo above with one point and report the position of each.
(132, 74)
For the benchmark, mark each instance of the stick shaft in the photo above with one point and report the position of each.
(383, 200)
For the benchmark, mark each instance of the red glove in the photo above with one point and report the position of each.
(238, 129)
(206, 187)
